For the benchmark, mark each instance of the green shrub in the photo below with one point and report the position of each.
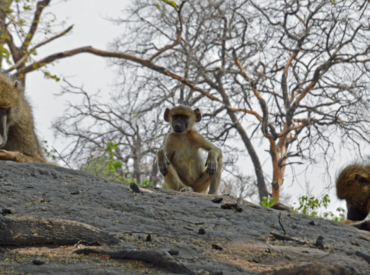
(309, 205)
(268, 201)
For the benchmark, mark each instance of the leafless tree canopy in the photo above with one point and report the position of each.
(97, 121)
(292, 73)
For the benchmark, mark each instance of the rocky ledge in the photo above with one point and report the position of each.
(61, 221)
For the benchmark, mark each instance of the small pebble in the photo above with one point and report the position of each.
(217, 200)
(37, 262)
(201, 231)
(174, 252)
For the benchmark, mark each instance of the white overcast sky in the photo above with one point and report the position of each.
(94, 73)
(91, 28)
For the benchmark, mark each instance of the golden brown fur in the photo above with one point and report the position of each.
(18, 141)
(353, 185)
(181, 160)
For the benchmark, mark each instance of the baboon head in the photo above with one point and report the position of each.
(10, 95)
(182, 118)
(353, 182)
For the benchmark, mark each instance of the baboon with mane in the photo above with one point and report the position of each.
(353, 185)
(18, 141)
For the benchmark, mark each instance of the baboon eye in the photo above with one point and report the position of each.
(179, 116)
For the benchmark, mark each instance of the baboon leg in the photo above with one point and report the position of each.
(201, 185)
(355, 214)
(172, 180)
(363, 225)
(17, 157)
(216, 178)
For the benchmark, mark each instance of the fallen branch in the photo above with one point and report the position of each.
(159, 259)
(281, 225)
(26, 230)
(286, 238)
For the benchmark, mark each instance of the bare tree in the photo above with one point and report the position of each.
(312, 82)
(295, 71)
(99, 121)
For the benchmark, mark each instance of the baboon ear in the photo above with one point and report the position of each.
(16, 84)
(167, 115)
(361, 179)
(198, 115)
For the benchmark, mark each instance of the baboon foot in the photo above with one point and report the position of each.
(186, 189)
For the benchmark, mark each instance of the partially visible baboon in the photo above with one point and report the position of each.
(18, 141)
(353, 185)
(181, 161)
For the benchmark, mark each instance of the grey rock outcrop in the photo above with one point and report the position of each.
(234, 239)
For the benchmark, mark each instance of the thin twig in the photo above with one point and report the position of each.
(281, 224)
(61, 158)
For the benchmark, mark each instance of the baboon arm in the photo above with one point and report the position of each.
(18, 157)
(163, 162)
(208, 146)
(214, 159)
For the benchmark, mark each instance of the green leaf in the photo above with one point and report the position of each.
(171, 3)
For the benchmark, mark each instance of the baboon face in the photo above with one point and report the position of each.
(180, 123)
(4, 113)
(9, 102)
(182, 118)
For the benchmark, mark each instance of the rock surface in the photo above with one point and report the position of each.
(207, 238)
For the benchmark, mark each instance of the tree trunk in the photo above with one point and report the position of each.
(276, 178)
(137, 162)
(153, 175)
(261, 185)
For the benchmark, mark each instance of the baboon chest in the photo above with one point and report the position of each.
(186, 158)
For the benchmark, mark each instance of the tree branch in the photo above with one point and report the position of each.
(35, 22)
(25, 56)
(178, 37)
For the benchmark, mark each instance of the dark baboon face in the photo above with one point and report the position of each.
(4, 112)
(180, 123)
(182, 118)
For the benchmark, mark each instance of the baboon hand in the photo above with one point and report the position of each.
(163, 165)
(8, 155)
(211, 164)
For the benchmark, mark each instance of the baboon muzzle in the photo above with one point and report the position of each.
(177, 128)
(3, 132)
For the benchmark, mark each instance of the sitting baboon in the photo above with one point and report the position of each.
(353, 185)
(181, 161)
(18, 141)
